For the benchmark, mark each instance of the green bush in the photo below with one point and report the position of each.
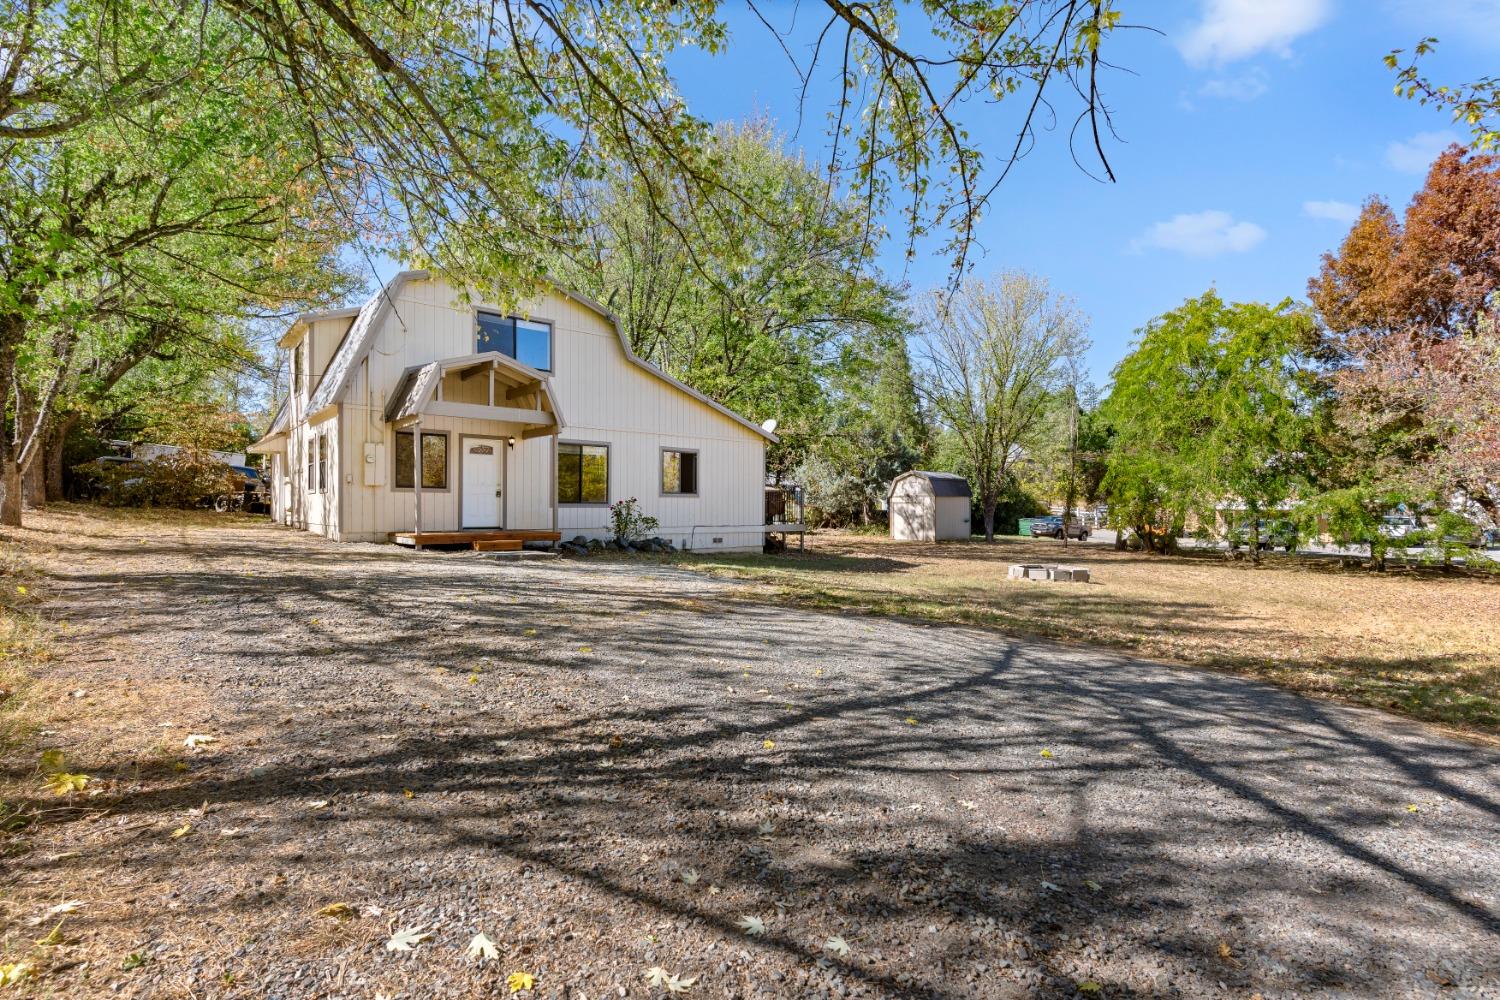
(185, 479)
(628, 523)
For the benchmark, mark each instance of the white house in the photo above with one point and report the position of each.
(929, 507)
(529, 424)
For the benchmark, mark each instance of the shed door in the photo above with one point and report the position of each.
(483, 486)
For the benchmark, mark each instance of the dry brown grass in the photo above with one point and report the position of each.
(1417, 642)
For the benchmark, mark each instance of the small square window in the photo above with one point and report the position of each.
(679, 471)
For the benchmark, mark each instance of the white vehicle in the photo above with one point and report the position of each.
(1397, 525)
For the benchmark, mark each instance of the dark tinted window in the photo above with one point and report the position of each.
(528, 341)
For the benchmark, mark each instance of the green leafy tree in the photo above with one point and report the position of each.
(778, 313)
(1210, 414)
(994, 356)
(449, 134)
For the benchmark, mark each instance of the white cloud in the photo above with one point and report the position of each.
(1245, 87)
(1335, 211)
(1415, 155)
(1238, 29)
(1200, 234)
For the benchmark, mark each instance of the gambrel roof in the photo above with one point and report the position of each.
(370, 317)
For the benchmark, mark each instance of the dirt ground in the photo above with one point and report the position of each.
(610, 767)
(1421, 643)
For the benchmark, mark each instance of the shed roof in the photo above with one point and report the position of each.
(943, 484)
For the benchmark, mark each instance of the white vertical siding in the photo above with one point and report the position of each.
(602, 398)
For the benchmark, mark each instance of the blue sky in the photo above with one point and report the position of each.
(1252, 129)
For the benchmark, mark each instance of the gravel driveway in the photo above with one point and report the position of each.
(605, 766)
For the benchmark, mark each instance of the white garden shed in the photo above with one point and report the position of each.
(929, 506)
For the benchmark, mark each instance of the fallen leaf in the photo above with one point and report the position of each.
(584, 649)
(967, 804)
(1089, 986)
(1050, 887)
(51, 762)
(837, 945)
(482, 949)
(689, 877)
(769, 744)
(1227, 954)
(338, 911)
(21, 589)
(197, 741)
(1045, 752)
(53, 938)
(407, 940)
(911, 720)
(231, 832)
(518, 981)
(182, 831)
(1092, 884)
(530, 631)
(63, 783)
(1411, 807)
(766, 829)
(318, 804)
(409, 793)
(753, 926)
(657, 976)
(58, 910)
(12, 973)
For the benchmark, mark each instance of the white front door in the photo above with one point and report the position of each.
(483, 483)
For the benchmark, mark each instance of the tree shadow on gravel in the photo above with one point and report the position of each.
(1174, 814)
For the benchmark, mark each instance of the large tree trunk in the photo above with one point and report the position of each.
(34, 483)
(10, 471)
(989, 518)
(52, 454)
(10, 487)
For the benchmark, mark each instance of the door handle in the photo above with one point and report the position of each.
(497, 493)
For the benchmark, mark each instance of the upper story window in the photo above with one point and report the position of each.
(528, 341)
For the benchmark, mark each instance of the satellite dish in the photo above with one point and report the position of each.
(769, 426)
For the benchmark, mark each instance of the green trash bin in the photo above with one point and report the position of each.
(1023, 527)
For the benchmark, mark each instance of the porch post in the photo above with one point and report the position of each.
(416, 479)
(552, 475)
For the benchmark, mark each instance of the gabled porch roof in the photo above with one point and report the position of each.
(419, 393)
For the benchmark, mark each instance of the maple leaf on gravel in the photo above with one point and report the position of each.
(483, 949)
(754, 926)
(837, 945)
(657, 976)
(518, 981)
(407, 940)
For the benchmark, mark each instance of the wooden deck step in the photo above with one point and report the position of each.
(498, 545)
(474, 536)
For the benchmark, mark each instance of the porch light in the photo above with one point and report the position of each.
(510, 442)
